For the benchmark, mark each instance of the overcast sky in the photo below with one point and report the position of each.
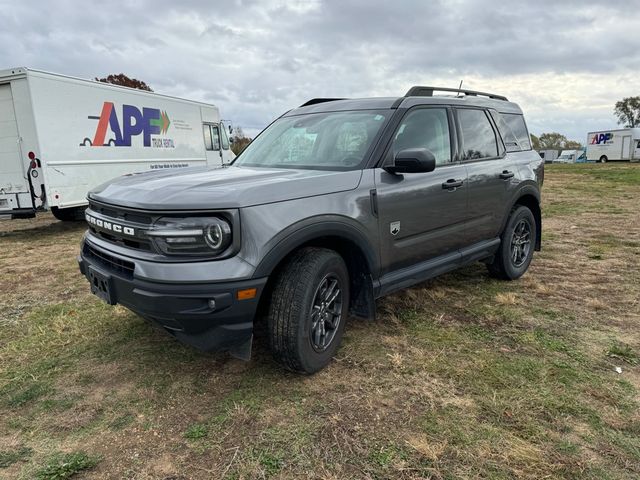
(565, 62)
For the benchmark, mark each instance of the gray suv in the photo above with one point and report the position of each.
(335, 204)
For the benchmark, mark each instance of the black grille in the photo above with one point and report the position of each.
(125, 242)
(117, 213)
(111, 263)
(137, 220)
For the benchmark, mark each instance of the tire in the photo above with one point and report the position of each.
(507, 263)
(297, 297)
(603, 159)
(75, 214)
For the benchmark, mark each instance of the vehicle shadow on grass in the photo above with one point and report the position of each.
(39, 230)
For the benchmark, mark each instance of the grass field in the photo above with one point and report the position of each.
(460, 377)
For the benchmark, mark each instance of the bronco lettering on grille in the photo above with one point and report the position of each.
(113, 227)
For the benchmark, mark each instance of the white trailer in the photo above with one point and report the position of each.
(61, 136)
(614, 145)
(548, 155)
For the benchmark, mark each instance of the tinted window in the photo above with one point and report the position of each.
(508, 137)
(518, 127)
(425, 128)
(478, 137)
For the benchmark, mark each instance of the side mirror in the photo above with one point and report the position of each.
(413, 160)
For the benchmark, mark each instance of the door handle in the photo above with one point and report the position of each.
(452, 184)
(506, 175)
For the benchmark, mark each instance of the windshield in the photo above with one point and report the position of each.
(322, 141)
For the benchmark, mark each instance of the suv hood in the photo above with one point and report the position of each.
(227, 187)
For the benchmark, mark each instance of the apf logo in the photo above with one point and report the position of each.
(151, 121)
(602, 139)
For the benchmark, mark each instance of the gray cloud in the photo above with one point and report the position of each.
(565, 62)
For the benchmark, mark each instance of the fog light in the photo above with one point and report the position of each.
(212, 304)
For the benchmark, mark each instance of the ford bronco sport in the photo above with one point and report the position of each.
(335, 204)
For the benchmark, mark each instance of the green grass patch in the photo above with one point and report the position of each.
(623, 352)
(196, 431)
(62, 466)
(9, 457)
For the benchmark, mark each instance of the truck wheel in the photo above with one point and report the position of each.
(75, 214)
(308, 310)
(603, 159)
(516, 245)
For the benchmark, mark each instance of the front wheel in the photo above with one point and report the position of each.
(308, 310)
(516, 246)
(603, 159)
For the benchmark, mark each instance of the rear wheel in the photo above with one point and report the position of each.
(516, 246)
(603, 159)
(308, 310)
(74, 214)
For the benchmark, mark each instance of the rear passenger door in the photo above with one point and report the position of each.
(492, 175)
(422, 215)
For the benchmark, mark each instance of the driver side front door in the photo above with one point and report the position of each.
(421, 215)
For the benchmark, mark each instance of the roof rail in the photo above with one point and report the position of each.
(419, 91)
(314, 101)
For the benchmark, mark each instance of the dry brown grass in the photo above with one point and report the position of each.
(460, 377)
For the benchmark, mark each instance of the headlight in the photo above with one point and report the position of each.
(191, 236)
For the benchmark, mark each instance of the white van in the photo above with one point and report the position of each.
(61, 136)
(610, 145)
(571, 156)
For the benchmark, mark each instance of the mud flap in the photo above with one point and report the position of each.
(242, 351)
(363, 304)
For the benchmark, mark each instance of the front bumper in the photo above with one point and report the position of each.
(186, 310)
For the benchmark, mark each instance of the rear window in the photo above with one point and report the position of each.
(519, 129)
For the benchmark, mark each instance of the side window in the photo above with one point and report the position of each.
(224, 137)
(508, 137)
(425, 128)
(478, 137)
(211, 137)
(208, 142)
(215, 135)
(518, 127)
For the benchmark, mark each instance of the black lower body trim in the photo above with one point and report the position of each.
(206, 316)
(433, 267)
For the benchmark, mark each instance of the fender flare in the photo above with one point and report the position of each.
(307, 230)
(530, 188)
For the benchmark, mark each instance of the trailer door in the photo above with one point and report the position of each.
(14, 190)
(626, 147)
(212, 144)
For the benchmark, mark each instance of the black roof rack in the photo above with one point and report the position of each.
(314, 101)
(418, 91)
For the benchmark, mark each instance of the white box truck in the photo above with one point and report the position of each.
(61, 136)
(614, 145)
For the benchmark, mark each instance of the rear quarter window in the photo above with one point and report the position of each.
(519, 129)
